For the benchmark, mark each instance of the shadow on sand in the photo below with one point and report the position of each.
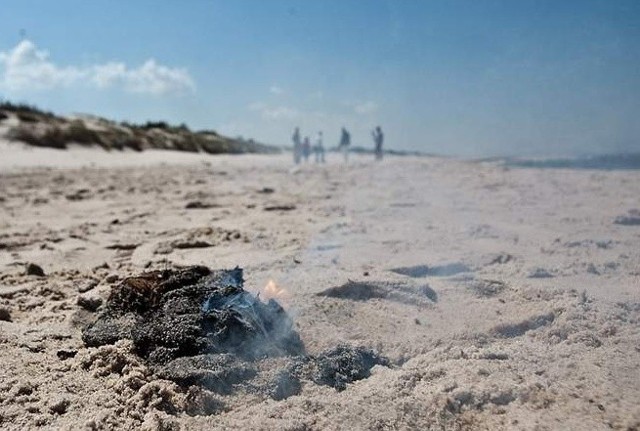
(446, 270)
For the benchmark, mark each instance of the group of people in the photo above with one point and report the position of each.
(302, 147)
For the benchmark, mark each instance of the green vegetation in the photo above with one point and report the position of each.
(25, 112)
(51, 137)
(44, 129)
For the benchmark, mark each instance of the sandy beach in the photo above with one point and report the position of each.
(504, 298)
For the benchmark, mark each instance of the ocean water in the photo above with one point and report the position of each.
(601, 162)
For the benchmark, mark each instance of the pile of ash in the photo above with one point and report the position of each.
(196, 326)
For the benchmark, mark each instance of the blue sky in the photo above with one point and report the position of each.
(450, 77)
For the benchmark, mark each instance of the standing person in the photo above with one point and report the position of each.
(345, 141)
(319, 149)
(306, 148)
(297, 145)
(378, 138)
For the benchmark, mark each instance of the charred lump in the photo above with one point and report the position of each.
(170, 314)
(199, 327)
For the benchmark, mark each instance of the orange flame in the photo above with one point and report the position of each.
(272, 291)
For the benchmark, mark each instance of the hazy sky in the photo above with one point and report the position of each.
(451, 77)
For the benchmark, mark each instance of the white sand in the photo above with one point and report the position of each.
(536, 323)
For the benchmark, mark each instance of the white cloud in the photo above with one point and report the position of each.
(108, 74)
(280, 113)
(256, 106)
(151, 77)
(26, 67)
(274, 112)
(274, 89)
(365, 107)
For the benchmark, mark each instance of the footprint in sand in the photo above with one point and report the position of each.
(364, 291)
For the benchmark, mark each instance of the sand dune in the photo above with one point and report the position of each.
(505, 298)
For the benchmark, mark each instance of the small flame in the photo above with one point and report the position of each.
(272, 291)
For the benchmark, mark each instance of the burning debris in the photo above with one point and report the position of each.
(196, 326)
(171, 314)
(272, 291)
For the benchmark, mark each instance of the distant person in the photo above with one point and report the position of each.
(378, 138)
(318, 149)
(297, 145)
(306, 149)
(345, 142)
